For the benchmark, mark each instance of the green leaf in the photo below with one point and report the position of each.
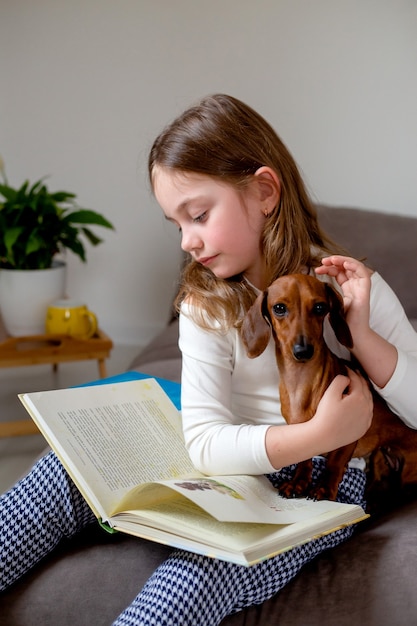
(23, 189)
(92, 238)
(62, 196)
(37, 187)
(7, 192)
(77, 248)
(86, 216)
(34, 243)
(11, 236)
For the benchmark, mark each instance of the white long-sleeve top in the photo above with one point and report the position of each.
(229, 401)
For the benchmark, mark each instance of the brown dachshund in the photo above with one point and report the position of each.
(293, 309)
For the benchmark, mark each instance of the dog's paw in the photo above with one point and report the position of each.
(323, 492)
(299, 485)
(293, 490)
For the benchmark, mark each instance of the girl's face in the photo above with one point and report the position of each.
(220, 227)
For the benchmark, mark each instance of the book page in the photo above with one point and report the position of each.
(183, 524)
(112, 437)
(248, 499)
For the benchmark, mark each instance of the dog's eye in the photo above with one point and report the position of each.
(280, 310)
(320, 308)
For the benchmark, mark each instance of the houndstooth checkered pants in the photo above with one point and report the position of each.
(186, 589)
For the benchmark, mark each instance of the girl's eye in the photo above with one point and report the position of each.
(280, 310)
(200, 218)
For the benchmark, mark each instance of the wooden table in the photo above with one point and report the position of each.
(53, 349)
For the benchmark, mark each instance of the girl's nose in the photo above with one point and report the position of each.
(190, 241)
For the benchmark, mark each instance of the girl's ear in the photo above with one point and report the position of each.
(269, 187)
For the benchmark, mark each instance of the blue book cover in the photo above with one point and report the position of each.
(173, 390)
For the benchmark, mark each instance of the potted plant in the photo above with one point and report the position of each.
(36, 227)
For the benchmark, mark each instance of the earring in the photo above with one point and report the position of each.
(266, 212)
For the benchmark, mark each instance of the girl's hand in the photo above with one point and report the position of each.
(341, 418)
(344, 417)
(355, 280)
(377, 356)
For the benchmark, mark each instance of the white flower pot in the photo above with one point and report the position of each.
(25, 296)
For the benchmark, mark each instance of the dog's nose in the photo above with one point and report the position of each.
(302, 350)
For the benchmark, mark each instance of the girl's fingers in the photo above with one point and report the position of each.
(337, 262)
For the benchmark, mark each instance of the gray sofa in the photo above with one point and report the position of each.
(368, 581)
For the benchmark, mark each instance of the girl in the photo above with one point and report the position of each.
(224, 178)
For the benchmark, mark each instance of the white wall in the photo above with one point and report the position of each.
(85, 85)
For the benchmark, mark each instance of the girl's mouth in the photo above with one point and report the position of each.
(207, 260)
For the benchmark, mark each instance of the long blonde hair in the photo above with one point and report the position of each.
(224, 138)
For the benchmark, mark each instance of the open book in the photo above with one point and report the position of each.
(122, 444)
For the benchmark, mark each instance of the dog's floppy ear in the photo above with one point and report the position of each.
(337, 317)
(256, 330)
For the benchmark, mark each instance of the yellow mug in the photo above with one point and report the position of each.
(71, 317)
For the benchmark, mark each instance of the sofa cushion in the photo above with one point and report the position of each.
(162, 356)
(367, 580)
(387, 242)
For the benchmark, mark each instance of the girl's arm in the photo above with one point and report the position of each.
(384, 341)
(377, 356)
(224, 424)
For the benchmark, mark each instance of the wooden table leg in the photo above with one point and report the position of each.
(102, 369)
